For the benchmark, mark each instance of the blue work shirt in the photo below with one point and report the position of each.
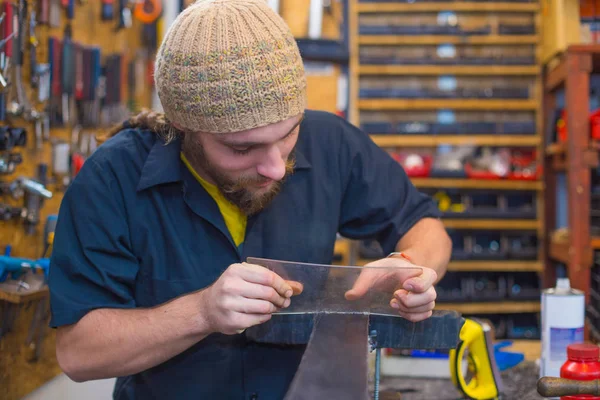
(136, 229)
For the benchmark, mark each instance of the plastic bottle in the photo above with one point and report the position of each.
(582, 365)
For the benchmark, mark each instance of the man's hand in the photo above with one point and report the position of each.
(245, 295)
(413, 292)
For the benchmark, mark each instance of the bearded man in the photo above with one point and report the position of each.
(148, 281)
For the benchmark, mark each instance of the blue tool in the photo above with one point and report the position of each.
(505, 359)
(15, 266)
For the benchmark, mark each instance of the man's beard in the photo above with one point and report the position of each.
(236, 191)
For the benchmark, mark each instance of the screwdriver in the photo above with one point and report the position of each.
(107, 10)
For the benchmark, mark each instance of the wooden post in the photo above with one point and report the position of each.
(579, 67)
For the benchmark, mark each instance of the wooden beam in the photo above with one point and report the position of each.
(417, 40)
(556, 76)
(474, 70)
(509, 266)
(392, 140)
(491, 224)
(499, 184)
(456, 104)
(504, 307)
(577, 87)
(514, 266)
(447, 6)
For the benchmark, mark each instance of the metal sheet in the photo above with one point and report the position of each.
(334, 365)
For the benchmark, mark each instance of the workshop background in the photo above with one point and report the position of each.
(492, 107)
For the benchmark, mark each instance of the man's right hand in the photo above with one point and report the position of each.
(245, 295)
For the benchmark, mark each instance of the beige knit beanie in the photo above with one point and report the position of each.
(229, 65)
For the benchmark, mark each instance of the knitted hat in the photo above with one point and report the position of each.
(229, 65)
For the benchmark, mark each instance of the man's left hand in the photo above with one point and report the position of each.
(413, 292)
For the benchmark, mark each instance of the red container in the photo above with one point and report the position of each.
(582, 365)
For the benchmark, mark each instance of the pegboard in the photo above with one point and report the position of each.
(18, 374)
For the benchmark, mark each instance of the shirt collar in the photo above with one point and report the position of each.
(163, 164)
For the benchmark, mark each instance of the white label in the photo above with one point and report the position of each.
(446, 117)
(446, 51)
(447, 83)
(447, 18)
(560, 338)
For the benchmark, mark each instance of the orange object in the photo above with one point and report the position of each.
(147, 11)
(587, 9)
(561, 127)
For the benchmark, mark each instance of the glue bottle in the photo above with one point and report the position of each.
(563, 318)
(582, 365)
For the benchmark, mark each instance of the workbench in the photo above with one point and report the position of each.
(519, 382)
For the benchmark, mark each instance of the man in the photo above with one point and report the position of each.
(148, 281)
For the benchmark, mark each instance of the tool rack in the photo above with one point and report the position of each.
(576, 157)
(379, 72)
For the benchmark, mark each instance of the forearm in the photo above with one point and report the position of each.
(427, 244)
(117, 342)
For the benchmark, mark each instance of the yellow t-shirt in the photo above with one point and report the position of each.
(235, 220)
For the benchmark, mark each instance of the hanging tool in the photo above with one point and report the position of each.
(554, 387)
(55, 11)
(7, 28)
(69, 6)
(44, 12)
(33, 45)
(147, 11)
(476, 340)
(67, 75)
(14, 267)
(107, 12)
(124, 15)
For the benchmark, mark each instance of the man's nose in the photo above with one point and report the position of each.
(272, 166)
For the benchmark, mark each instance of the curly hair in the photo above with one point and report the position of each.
(146, 119)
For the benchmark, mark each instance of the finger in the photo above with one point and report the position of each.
(412, 300)
(421, 283)
(254, 306)
(261, 292)
(362, 284)
(243, 321)
(416, 317)
(263, 276)
(297, 287)
(412, 310)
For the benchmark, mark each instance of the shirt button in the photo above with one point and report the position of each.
(254, 396)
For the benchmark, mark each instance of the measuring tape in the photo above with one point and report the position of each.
(147, 11)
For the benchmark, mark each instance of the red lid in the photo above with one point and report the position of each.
(587, 351)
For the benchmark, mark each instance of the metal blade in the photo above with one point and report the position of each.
(334, 365)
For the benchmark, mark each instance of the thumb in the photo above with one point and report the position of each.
(362, 284)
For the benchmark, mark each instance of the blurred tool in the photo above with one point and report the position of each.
(554, 387)
(147, 11)
(14, 267)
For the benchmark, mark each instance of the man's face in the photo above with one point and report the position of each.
(249, 167)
